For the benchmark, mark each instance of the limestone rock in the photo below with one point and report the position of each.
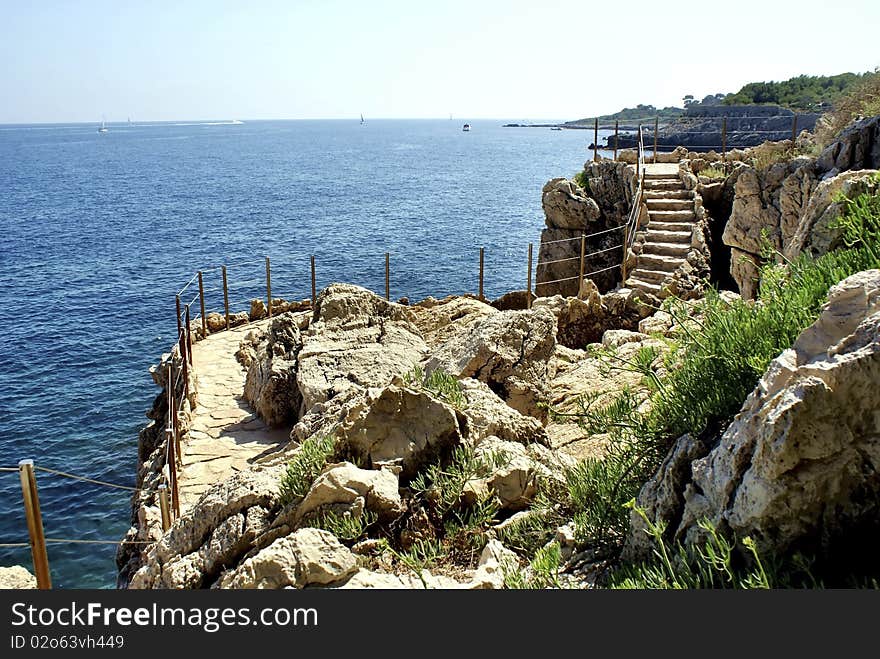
(342, 483)
(242, 490)
(515, 481)
(215, 322)
(488, 415)
(495, 561)
(305, 558)
(232, 538)
(856, 147)
(447, 317)
(813, 233)
(797, 468)
(616, 338)
(512, 301)
(510, 351)
(352, 305)
(566, 205)
(355, 351)
(367, 579)
(270, 385)
(398, 424)
(258, 310)
(17, 578)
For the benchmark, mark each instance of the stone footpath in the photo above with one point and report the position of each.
(225, 433)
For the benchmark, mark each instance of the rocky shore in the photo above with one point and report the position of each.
(427, 443)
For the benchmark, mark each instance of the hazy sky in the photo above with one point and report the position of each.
(75, 61)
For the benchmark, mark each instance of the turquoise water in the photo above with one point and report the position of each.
(98, 233)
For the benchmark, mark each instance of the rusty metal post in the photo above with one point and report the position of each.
(34, 523)
(269, 286)
(794, 129)
(202, 305)
(163, 507)
(225, 297)
(482, 250)
(529, 281)
(314, 287)
(723, 136)
(656, 128)
(616, 126)
(583, 258)
(596, 140)
(179, 322)
(387, 276)
(189, 341)
(170, 437)
(638, 149)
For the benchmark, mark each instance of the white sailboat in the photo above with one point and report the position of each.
(362, 120)
(103, 128)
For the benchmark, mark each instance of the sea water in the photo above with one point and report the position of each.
(98, 232)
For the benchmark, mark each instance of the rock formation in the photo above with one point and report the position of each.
(798, 467)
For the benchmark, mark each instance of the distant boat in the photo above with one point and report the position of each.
(129, 122)
(362, 120)
(555, 128)
(466, 128)
(103, 128)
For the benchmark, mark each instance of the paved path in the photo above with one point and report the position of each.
(225, 433)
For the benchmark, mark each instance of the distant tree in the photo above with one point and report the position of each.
(688, 100)
(804, 93)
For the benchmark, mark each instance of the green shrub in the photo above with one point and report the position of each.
(713, 172)
(345, 526)
(306, 465)
(440, 383)
(545, 568)
(862, 100)
(583, 180)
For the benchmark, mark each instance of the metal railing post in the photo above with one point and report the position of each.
(529, 281)
(482, 250)
(225, 296)
(314, 286)
(269, 286)
(34, 523)
(387, 276)
(596, 140)
(581, 272)
(202, 305)
(163, 507)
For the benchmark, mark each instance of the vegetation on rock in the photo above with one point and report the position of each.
(804, 93)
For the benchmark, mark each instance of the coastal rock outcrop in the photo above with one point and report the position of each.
(571, 212)
(509, 351)
(16, 578)
(270, 386)
(797, 469)
(308, 557)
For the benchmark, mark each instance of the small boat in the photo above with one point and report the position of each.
(555, 128)
(103, 128)
(362, 120)
(466, 128)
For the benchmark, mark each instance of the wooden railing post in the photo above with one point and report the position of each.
(723, 136)
(269, 286)
(163, 507)
(170, 437)
(583, 258)
(34, 523)
(529, 281)
(314, 286)
(794, 128)
(225, 297)
(202, 304)
(596, 140)
(481, 274)
(387, 276)
(656, 128)
(616, 126)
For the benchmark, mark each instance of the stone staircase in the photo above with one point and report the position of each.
(668, 235)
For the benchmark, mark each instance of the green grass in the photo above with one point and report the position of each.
(583, 180)
(713, 173)
(544, 573)
(306, 465)
(345, 526)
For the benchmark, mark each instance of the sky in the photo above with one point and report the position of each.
(76, 61)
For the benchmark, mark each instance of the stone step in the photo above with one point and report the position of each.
(670, 204)
(659, 262)
(646, 274)
(672, 225)
(663, 184)
(648, 287)
(661, 236)
(653, 176)
(668, 194)
(666, 249)
(674, 216)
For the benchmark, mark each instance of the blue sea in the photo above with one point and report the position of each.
(98, 232)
